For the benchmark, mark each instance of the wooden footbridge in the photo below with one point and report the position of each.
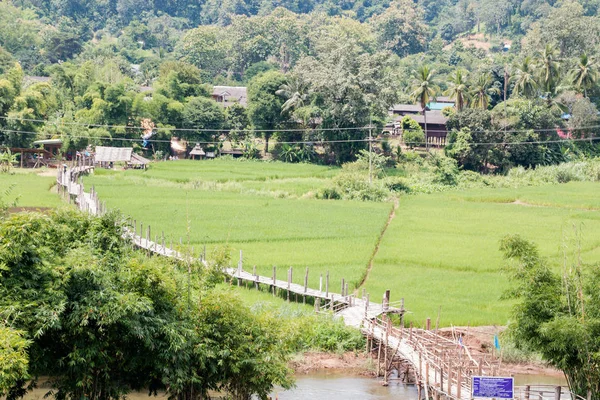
(440, 366)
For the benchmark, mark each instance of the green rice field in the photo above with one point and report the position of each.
(30, 188)
(440, 251)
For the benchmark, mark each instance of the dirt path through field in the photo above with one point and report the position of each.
(385, 227)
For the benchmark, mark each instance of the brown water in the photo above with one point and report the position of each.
(337, 386)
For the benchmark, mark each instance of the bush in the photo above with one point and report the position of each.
(412, 133)
(329, 193)
(396, 184)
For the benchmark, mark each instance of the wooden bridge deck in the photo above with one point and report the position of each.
(443, 367)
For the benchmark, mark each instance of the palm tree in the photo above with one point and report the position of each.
(458, 89)
(548, 68)
(296, 93)
(524, 78)
(585, 74)
(423, 90)
(481, 90)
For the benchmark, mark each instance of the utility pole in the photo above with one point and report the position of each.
(505, 88)
(370, 151)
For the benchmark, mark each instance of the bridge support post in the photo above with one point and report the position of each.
(342, 291)
(274, 276)
(255, 277)
(327, 285)
(305, 286)
(557, 393)
(449, 376)
(321, 283)
(317, 304)
(289, 282)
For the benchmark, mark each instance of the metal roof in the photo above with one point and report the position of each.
(48, 141)
(138, 160)
(113, 154)
(232, 94)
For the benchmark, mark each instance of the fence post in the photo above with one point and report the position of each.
(306, 280)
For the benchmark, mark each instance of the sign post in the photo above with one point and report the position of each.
(496, 387)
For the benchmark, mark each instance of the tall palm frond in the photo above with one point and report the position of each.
(481, 90)
(524, 78)
(548, 68)
(423, 87)
(585, 74)
(296, 93)
(458, 89)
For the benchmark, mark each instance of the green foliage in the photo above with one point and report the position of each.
(265, 106)
(412, 133)
(556, 316)
(101, 320)
(13, 359)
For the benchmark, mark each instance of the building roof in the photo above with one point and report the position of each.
(138, 160)
(411, 108)
(197, 151)
(231, 94)
(113, 154)
(433, 117)
(48, 141)
(178, 145)
(444, 99)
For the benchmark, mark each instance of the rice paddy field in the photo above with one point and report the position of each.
(30, 188)
(440, 252)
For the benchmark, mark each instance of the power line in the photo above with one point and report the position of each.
(169, 141)
(592, 138)
(45, 121)
(359, 128)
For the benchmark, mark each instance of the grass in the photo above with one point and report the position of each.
(334, 236)
(442, 250)
(29, 188)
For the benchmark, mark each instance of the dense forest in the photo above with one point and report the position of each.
(316, 71)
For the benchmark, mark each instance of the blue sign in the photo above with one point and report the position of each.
(493, 387)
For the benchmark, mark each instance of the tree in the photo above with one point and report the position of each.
(237, 122)
(565, 27)
(548, 68)
(423, 90)
(204, 117)
(295, 91)
(556, 316)
(15, 361)
(102, 320)
(265, 107)
(481, 90)
(349, 88)
(412, 133)
(205, 48)
(400, 28)
(458, 89)
(524, 78)
(585, 74)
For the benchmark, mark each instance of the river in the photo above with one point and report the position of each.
(328, 385)
(337, 386)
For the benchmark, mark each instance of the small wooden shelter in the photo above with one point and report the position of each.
(197, 151)
(107, 156)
